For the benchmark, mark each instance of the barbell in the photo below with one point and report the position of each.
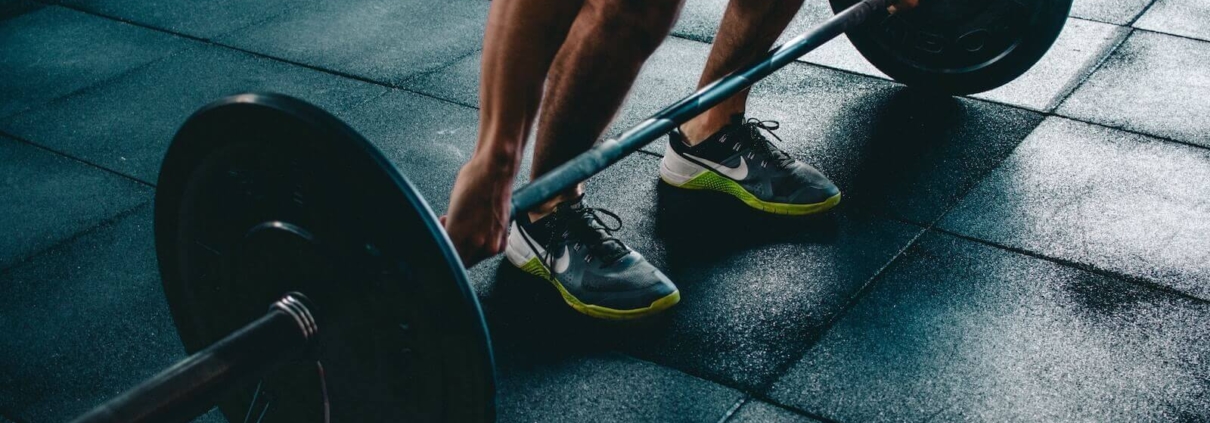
(310, 281)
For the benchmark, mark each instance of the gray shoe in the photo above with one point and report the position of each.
(595, 273)
(740, 161)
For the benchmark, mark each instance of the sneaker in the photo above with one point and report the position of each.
(739, 160)
(595, 273)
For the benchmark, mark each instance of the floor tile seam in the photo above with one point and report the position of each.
(745, 395)
(982, 177)
(119, 19)
(319, 69)
(793, 409)
(734, 408)
(89, 87)
(1140, 14)
(437, 97)
(1139, 281)
(215, 43)
(270, 17)
(1071, 86)
(368, 99)
(1109, 53)
(80, 160)
(1132, 132)
(32, 257)
(774, 403)
(333, 72)
(419, 75)
(1168, 34)
(870, 284)
(759, 391)
(721, 383)
(73, 158)
(1096, 20)
(851, 302)
(763, 394)
(129, 21)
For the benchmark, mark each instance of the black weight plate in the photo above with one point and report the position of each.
(262, 194)
(960, 46)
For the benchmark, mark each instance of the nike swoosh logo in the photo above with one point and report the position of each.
(560, 265)
(563, 262)
(737, 173)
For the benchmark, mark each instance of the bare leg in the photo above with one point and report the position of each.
(520, 44)
(748, 30)
(591, 76)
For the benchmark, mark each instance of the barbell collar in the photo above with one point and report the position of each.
(192, 386)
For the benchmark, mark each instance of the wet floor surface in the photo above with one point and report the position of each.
(1035, 253)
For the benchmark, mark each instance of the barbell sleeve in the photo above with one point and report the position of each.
(605, 154)
(192, 386)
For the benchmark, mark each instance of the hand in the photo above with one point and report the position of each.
(903, 6)
(478, 218)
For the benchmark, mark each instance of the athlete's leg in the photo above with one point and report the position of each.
(749, 28)
(592, 74)
(521, 41)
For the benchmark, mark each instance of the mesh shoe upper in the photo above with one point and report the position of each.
(576, 245)
(741, 152)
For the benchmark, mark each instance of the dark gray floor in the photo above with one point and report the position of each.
(1036, 253)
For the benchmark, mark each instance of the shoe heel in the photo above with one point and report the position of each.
(677, 171)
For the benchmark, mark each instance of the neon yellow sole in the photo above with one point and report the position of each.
(711, 181)
(535, 267)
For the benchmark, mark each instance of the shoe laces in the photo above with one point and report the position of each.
(586, 227)
(765, 146)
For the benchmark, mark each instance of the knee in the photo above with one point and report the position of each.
(640, 24)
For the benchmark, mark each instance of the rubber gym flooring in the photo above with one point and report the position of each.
(1040, 252)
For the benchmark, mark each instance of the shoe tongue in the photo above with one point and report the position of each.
(737, 123)
(603, 245)
(576, 204)
(737, 119)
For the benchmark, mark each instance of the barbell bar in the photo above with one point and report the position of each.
(190, 387)
(266, 201)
